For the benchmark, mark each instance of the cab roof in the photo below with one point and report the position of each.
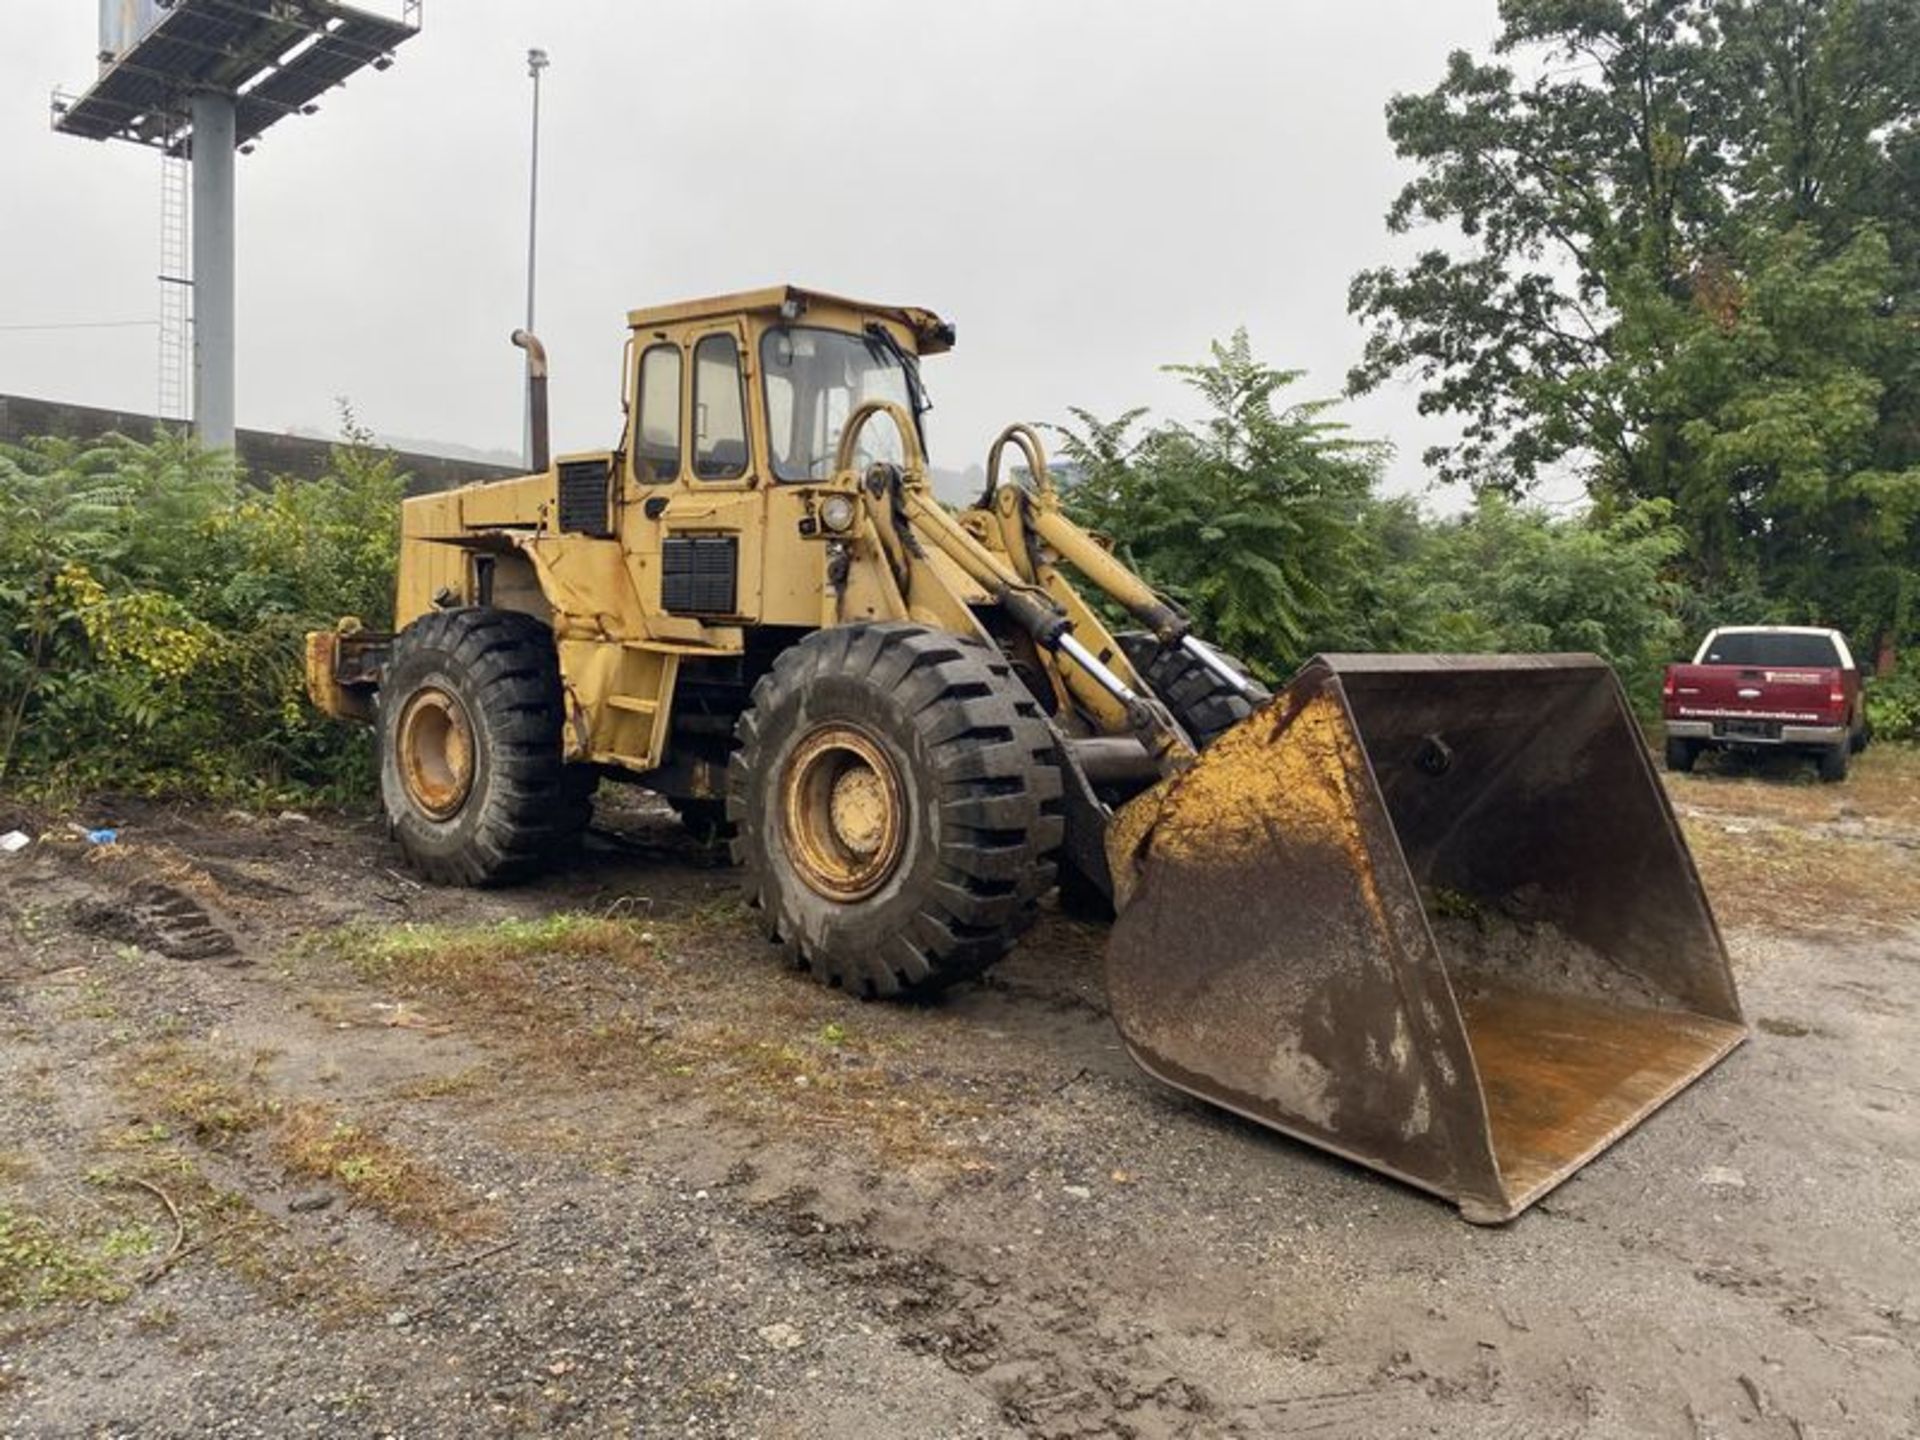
(932, 335)
(1774, 630)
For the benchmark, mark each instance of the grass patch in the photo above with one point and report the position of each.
(1777, 848)
(218, 1103)
(94, 1002)
(1784, 878)
(453, 957)
(475, 1079)
(212, 1102)
(313, 1140)
(39, 1266)
(676, 1003)
(1884, 783)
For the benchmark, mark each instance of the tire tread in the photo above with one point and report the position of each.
(998, 792)
(535, 806)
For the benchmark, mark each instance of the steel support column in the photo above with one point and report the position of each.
(213, 304)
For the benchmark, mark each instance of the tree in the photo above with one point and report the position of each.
(1688, 263)
(1248, 519)
(1571, 191)
(1263, 522)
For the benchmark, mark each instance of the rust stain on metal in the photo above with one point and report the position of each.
(1564, 1077)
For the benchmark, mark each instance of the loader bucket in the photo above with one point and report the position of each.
(1430, 912)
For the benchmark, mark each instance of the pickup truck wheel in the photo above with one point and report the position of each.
(896, 799)
(1833, 761)
(471, 773)
(1681, 754)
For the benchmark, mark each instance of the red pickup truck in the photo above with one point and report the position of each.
(1767, 687)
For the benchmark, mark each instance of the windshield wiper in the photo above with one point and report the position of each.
(916, 392)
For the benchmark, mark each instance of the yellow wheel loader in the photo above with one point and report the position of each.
(1430, 912)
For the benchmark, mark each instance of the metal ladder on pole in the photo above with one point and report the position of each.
(174, 401)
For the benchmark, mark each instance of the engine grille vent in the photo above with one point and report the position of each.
(698, 574)
(584, 506)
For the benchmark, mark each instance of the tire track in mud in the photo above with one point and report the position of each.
(1044, 1352)
(158, 917)
(1058, 1361)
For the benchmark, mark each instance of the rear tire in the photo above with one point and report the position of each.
(471, 774)
(897, 801)
(1681, 754)
(1204, 704)
(1833, 762)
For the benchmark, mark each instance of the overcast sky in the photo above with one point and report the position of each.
(1087, 188)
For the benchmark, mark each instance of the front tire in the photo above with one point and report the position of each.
(471, 772)
(897, 804)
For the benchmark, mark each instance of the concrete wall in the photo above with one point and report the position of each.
(263, 453)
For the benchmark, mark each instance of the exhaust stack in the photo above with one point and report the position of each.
(536, 394)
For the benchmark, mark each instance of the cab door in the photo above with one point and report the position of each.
(656, 455)
(710, 540)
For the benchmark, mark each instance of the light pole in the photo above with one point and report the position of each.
(536, 62)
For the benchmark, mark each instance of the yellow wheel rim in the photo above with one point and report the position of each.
(842, 812)
(435, 743)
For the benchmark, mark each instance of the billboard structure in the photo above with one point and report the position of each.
(198, 79)
(123, 23)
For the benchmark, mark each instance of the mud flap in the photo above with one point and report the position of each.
(1432, 913)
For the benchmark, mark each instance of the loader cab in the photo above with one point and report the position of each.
(754, 389)
(688, 407)
(735, 409)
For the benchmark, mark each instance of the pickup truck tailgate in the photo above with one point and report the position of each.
(1738, 693)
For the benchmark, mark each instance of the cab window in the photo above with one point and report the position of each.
(815, 379)
(719, 410)
(1781, 648)
(656, 455)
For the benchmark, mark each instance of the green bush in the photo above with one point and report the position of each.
(1893, 706)
(1264, 523)
(1247, 520)
(1511, 577)
(152, 614)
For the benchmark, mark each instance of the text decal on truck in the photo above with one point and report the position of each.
(1812, 717)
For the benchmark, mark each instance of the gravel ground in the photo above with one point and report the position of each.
(260, 1177)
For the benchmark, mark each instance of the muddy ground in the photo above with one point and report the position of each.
(291, 1145)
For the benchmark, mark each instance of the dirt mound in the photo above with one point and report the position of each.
(1505, 946)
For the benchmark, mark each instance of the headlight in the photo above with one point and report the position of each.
(836, 513)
